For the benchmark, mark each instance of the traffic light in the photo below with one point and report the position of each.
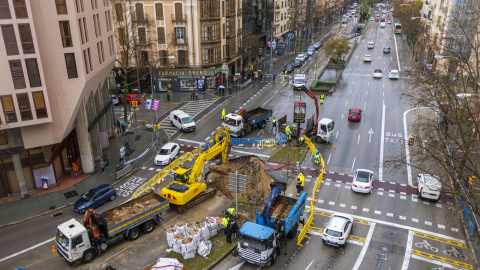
(471, 181)
(293, 52)
(156, 127)
(134, 103)
(411, 141)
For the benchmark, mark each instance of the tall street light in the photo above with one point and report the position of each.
(154, 137)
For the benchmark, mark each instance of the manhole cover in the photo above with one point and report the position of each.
(52, 207)
(70, 194)
(137, 138)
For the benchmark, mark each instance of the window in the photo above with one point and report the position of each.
(223, 8)
(224, 30)
(211, 54)
(99, 55)
(81, 5)
(61, 7)
(95, 24)
(65, 33)
(210, 31)
(178, 9)
(4, 10)
(24, 107)
(109, 20)
(142, 36)
(33, 73)
(9, 39)
(17, 74)
(26, 38)
(80, 26)
(180, 34)
(8, 109)
(98, 25)
(89, 59)
(85, 29)
(101, 49)
(40, 107)
(20, 9)
(3, 136)
(77, 6)
(139, 11)
(71, 65)
(106, 21)
(182, 57)
(159, 11)
(161, 35)
(209, 9)
(85, 59)
(122, 36)
(119, 12)
(163, 58)
(110, 45)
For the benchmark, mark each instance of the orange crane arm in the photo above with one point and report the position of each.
(312, 96)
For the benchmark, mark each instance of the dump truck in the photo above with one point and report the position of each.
(82, 242)
(259, 243)
(244, 121)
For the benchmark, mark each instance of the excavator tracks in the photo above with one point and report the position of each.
(203, 196)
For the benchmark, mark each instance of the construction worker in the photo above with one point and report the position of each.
(229, 212)
(285, 76)
(322, 97)
(288, 133)
(274, 124)
(223, 115)
(302, 140)
(317, 157)
(300, 183)
(225, 221)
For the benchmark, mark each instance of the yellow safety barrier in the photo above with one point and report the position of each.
(439, 239)
(163, 173)
(441, 259)
(267, 143)
(308, 225)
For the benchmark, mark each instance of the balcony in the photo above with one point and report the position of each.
(179, 17)
(277, 23)
(180, 41)
(140, 18)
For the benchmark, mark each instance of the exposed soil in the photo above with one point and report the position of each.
(258, 181)
(126, 212)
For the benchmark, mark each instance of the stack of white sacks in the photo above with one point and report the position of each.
(193, 237)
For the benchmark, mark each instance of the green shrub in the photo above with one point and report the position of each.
(326, 83)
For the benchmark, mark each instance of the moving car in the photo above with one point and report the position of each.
(288, 68)
(370, 45)
(363, 181)
(377, 73)
(429, 187)
(115, 99)
(377, 19)
(389, 21)
(354, 115)
(182, 121)
(367, 58)
(300, 57)
(382, 25)
(317, 44)
(337, 230)
(305, 54)
(311, 50)
(393, 74)
(133, 97)
(372, 19)
(297, 63)
(167, 153)
(94, 198)
(386, 49)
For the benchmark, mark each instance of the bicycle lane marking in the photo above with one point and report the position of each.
(365, 247)
(439, 260)
(440, 239)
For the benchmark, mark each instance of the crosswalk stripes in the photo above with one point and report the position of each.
(192, 108)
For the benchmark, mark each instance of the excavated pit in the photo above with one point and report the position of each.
(258, 181)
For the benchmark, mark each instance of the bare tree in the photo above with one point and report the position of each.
(411, 28)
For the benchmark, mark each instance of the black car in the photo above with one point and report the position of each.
(288, 68)
(297, 63)
(386, 49)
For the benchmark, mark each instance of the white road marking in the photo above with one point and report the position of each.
(27, 249)
(364, 248)
(415, 220)
(378, 212)
(143, 168)
(342, 205)
(309, 265)
(379, 193)
(403, 198)
(328, 161)
(439, 205)
(405, 131)
(408, 251)
(151, 169)
(389, 215)
(238, 266)
(358, 140)
(331, 203)
(382, 139)
(436, 262)
(396, 51)
(365, 210)
(414, 199)
(353, 207)
(347, 187)
(454, 229)
(206, 139)
(353, 163)
(391, 195)
(441, 226)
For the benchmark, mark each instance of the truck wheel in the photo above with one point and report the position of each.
(242, 133)
(318, 139)
(263, 124)
(88, 256)
(274, 258)
(133, 234)
(293, 232)
(147, 227)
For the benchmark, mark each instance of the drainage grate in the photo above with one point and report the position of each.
(137, 138)
(57, 214)
(70, 194)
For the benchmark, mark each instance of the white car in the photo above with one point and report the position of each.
(367, 58)
(337, 230)
(363, 181)
(382, 25)
(182, 121)
(377, 73)
(311, 50)
(115, 99)
(167, 154)
(372, 19)
(300, 57)
(389, 21)
(393, 74)
(370, 45)
(429, 187)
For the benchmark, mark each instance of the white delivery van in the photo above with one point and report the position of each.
(429, 186)
(299, 81)
(182, 121)
(370, 45)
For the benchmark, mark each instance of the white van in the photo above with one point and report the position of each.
(182, 121)
(429, 186)
(299, 81)
(370, 45)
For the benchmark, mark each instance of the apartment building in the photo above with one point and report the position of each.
(203, 37)
(281, 21)
(54, 103)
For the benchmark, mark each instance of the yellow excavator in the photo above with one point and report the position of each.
(187, 190)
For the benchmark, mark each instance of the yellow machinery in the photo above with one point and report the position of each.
(187, 190)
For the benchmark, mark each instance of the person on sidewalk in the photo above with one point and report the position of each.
(118, 126)
(102, 165)
(124, 130)
(75, 170)
(68, 170)
(300, 183)
(228, 233)
(235, 229)
(223, 116)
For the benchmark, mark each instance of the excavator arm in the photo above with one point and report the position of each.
(317, 107)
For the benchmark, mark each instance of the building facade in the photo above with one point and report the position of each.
(203, 36)
(54, 103)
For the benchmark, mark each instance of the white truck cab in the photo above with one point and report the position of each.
(235, 124)
(72, 241)
(325, 130)
(299, 81)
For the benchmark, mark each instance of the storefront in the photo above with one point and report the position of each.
(177, 80)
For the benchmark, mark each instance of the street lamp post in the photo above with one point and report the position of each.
(154, 137)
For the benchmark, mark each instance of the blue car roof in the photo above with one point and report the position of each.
(256, 231)
(96, 189)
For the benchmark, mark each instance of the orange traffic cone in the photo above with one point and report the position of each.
(263, 131)
(335, 146)
(290, 96)
(54, 249)
(310, 68)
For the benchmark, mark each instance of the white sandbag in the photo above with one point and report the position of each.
(204, 248)
(163, 262)
(177, 244)
(188, 245)
(171, 233)
(211, 223)
(191, 225)
(195, 234)
(206, 235)
(181, 227)
(213, 232)
(170, 243)
(202, 227)
(219, 225)
(188, 254)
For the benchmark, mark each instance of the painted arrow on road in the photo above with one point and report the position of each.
(370, 132)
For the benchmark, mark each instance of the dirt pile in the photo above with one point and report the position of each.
(258, 181)
(127, 212)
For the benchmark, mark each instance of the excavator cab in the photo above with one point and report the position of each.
(182, 175)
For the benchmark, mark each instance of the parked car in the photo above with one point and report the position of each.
(363, 181)
(297, 63)
(300, 57)
(94, 198)
(182, 121)
(167, 154)
(311, 50)
(133, 97)
(288, 68)
(370, 45)
(386, 49)
(115, 99)
(429, 187)
(337, 230)
(393, 74)
(377, 73)
(367, 58)
(317, 44)
(354, 115)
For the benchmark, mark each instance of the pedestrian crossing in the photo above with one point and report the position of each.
(192, 108)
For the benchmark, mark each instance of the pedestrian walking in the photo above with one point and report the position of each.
(68, 170)
(228, 232)
(75, 170)
(235, 229)
(118, 126)
(124, 130)
(102, 165)
(300, 183)
(223, 116)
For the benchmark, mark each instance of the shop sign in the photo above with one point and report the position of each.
(184, 72)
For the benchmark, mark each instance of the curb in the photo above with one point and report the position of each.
(221, 258)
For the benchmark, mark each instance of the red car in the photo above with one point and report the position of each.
(377, 19)
(354, 115)
(132, 97)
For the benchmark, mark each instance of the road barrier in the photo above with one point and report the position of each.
(268, 142)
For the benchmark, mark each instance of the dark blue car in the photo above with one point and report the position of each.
(95, 197)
